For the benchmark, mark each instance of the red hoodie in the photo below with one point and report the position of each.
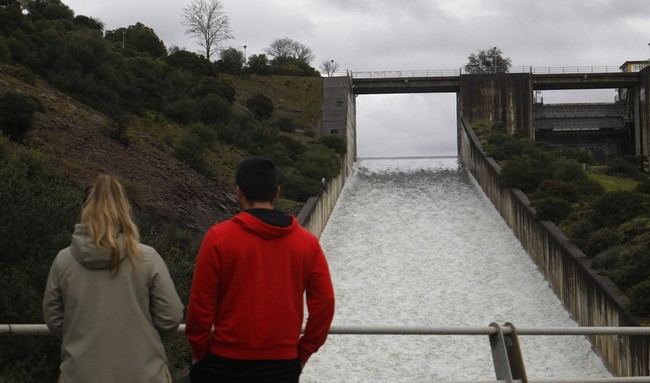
(249, 282)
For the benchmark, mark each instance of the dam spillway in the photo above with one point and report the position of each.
(414, 242)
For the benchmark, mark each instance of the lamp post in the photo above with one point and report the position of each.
(245, 58)
(331, 71)
(494, 59)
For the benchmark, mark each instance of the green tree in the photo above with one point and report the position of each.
(231, 61)
(139, 38)
(259, 64)
(488, 61)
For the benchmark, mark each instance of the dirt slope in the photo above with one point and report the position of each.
(74, 138)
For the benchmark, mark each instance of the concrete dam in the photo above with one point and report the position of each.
(416, 243)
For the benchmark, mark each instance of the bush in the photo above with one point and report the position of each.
(261, 106)
(644, 186)
(213, 109)
(633, 266)
(299, 188)
(634, 227)
(190, 148)
(183, 110)
(17, 114)
(568, 170)
(5, 53)
(285, 124)
(190, 62)
(607, 259)
(602, 239)
(622, 168)
(640, 298)
(319, 162)
(557, 189)
(579, 230)
(213, 85)
(552, 209)
(616, 207)
(336, 143)
(586, 187)
(524, 173)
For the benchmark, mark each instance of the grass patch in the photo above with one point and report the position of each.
(297, 97)
(613, 183)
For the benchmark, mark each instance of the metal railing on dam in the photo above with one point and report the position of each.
(576, 69)
(504, 343)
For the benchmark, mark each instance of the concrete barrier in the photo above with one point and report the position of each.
(591, 299)
(316, 212)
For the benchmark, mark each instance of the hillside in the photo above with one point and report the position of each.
(74, 138)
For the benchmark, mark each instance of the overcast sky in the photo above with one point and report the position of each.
(415, 34)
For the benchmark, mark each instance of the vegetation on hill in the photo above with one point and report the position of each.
(173, 126)
(603, 208)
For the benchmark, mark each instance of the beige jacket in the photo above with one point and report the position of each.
(111, 326)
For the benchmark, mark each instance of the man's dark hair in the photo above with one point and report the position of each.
(257, 178)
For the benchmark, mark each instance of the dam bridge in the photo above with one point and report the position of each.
(508, 100)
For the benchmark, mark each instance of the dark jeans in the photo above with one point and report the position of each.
(217, 369)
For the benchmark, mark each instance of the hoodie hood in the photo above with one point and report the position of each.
(265, 230)
(84, 250)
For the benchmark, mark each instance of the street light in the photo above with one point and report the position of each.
(245, 58)
(331, 71)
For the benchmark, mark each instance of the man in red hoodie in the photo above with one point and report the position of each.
(246, 303)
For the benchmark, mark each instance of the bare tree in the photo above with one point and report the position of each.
(286, 48)
(207, 23)
(329, 67)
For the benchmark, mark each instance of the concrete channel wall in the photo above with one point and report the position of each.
(591, 299)
(316, 211)
(338, 118)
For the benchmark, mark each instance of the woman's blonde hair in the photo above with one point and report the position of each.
(107, 212)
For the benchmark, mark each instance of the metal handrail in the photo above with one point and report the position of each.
(585, 69)
(42, 330)
(505, 351)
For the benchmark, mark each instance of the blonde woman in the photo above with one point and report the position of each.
(110, 298)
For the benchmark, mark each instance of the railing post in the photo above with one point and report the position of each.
(506, 355)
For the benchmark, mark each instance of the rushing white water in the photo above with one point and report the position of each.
(415, 242)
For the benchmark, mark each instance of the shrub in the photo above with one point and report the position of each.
(17, 114)
(183, 110)
(644, 186)
(524, 173)
(568, 170)
(602, 239)
(336, 143)
(118, 132)
(299, 188)
(616, 207)
(634, 227)
(285, 124)
(607, 259)
(552, 209)
(319, 162)
(190, 62)
(216, 86)
(579, 230)
(622, 168)
(633, 265)
(213, 109)
(260, 105)
(586, 187)
(294, 148)
(557, 189)
(640, 298)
